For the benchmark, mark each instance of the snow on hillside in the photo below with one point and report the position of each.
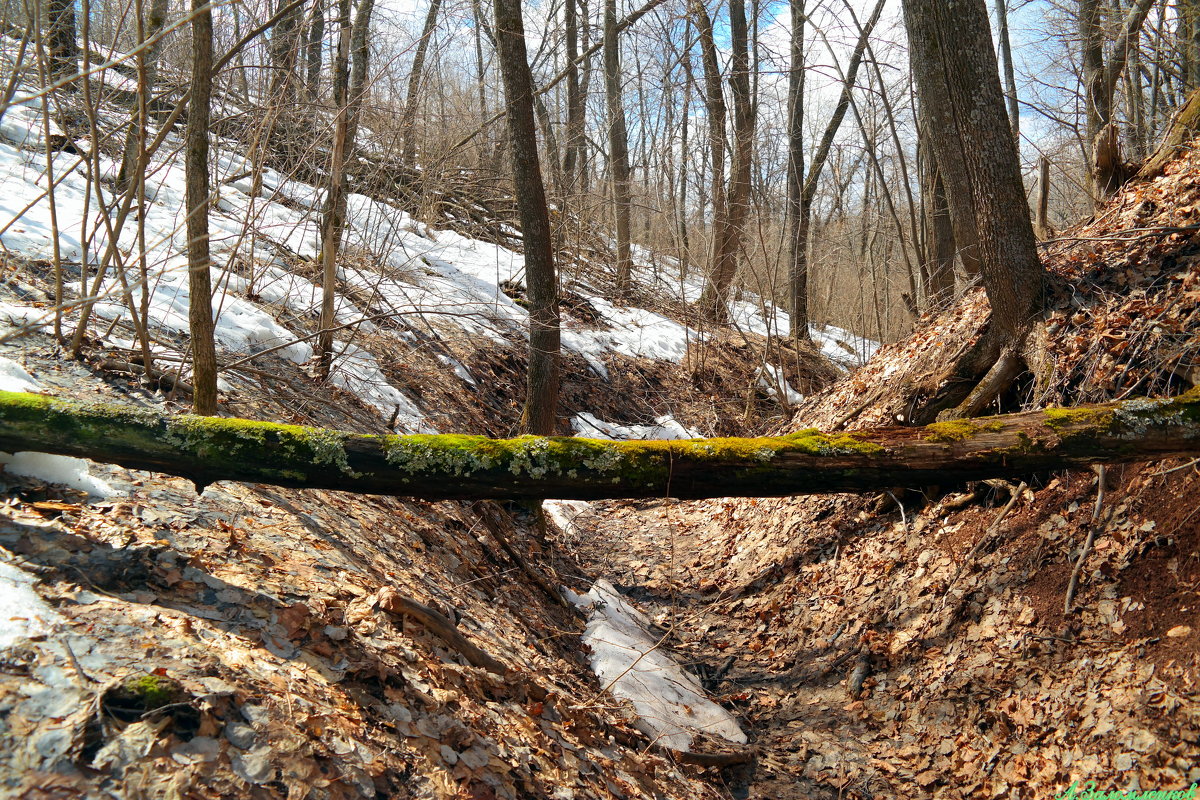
(439, 281)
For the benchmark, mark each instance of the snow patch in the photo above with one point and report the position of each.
(670, 703)
(564, 513)
(664, 427)
(771, 378)
(22, 613)
(14, 378)
(72, 472)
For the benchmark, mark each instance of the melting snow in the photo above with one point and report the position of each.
(771, 378)
(670, 703)
(664, 427)
(22, 612)
(66, 470)
(438, 280)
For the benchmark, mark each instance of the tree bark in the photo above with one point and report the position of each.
(200, 312)
(1100, 77)
(715, 111)
(1006, 64)
(618, 144)
(465, 467)
(573, 158)
(541, 279)
(939, 272)
(414, 82)
(727, 240)
(284, 48)
(797, 225)
(957, 79)
(313, 48)
(61, 41)
(334, 212)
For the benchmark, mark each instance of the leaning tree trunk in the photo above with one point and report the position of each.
(200, 312)
(465, 467)
(541, 280)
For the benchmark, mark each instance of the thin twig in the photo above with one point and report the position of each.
(1087, 545)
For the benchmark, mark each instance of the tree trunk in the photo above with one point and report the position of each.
(1006, 63)
(541, 279)
(957, 79)
(414, 83)
(939, 277)
(1185, 125)
(314, 47)
(147, 65)
(797, 224)
(1100, 77)
(360, 54)
(334, 212)
(714, 107)
(573, 158)
(727, 239)
(200, 312)
(1188, 12)
(808, 190)
(951, 167)
(618, 144)
(61, 39)
(284, 47)
(473, 467)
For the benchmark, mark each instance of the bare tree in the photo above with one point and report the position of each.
(414, 80)
(957, 78)
(1006, 65)
(801, 210)
(618, 144)
(200, 312)
(727, 237)
(1100, 75)
(541, 279)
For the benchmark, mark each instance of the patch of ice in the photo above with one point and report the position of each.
(664, 427)
(22, 612)
(670, 703)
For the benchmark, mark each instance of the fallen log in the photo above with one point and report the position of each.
(450, 466)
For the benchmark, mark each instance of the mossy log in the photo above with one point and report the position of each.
(207, 449)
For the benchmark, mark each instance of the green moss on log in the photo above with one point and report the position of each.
(958, 430)
(1079, 421)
